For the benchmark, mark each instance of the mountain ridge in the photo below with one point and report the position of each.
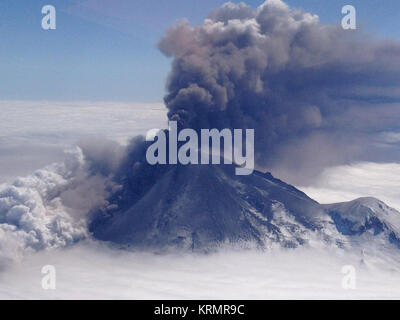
(200, 207)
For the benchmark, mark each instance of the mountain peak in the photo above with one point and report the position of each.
(368, 201)
(366, 216)
(202, 206)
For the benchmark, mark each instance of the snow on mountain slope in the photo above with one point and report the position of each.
(202, 206)
(365, 219)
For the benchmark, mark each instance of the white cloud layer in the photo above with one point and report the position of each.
(93, 271)
(364, 179)
(55, 122)
(35, 133)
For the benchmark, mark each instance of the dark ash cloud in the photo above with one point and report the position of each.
(318, 88)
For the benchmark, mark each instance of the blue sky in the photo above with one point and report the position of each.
(106, 49)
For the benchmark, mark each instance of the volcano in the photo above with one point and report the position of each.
(200, 207)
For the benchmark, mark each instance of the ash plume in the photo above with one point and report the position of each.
(315, 94)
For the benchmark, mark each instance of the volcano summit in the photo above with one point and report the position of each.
(203, 207)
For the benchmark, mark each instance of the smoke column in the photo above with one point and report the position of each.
(313, 93)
